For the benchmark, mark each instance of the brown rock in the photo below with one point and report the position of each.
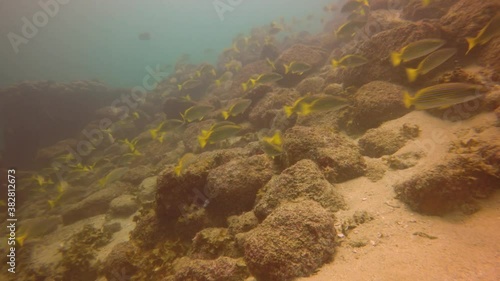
(337, 157)
(295, 240)
(233, 186)
(443, 187)
(385, 141)
(303, 179)
(374, 103)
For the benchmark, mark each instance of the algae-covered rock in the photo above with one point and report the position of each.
(270, 106)
(377, 50)
(95, 204)
(385, 141)
(466, 18)
(415, 10)
(210, 243)
(337, 157)
(374, 103)
(303, 179)
(233, 186)
(119, 261)
(301, 53)
(443, 187)
(221, 269)
(311, 85)
(242, 223)
(295, 240)
(404, 160)
(147, 190)
(123, 206)
(489, 57)
(137, 174)
(178, 194)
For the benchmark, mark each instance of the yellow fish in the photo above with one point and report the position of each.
(262, 79)
(491, 30)
(112, 176)
(272, 146)
(350, 61)
(196, 112)
(218, 134)
(296, 67)
(442, 95)
(186, 160)
(237, 108)
(416, 50)
(430, 62)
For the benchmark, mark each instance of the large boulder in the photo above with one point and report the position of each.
(386, 140)
(304, 179)
(373, 104)
(295, 240)
(233, 186)
(337, 157)
(178, 194)
(221, 269)
(445, 186)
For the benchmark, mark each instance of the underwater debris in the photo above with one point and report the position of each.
(443, 95)
(416, 50)
(491, 30)
(350, 61)
(431, 62)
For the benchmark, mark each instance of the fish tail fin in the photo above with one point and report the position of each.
(154, 133)
(407, 99)
(253, 81)
(412, 74)
(288, 111)
(217, 83)
(335, 63)
(179, 86)
(177, 170)
(306, 109)
(244, 86)
(52, 203)
(396, 58)
(102, 182)
(472, 43)
(202, 140)
(183, 117)
(225, 114)
(287, 68)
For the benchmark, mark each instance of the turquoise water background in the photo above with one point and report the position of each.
(98, 39)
